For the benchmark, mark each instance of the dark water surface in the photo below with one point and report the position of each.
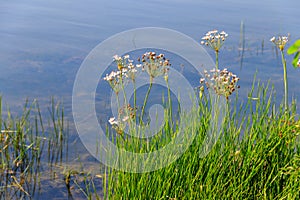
(43, 43)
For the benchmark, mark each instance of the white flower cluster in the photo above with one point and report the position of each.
(155, 65)
(126, 69)
(298, 63)
(280, 41)
(222, 81)
(214, 39)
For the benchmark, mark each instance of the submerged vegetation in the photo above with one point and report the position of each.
(256, 156)
(33, 156)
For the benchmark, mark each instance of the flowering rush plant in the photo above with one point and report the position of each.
(154, 64)
(280, 43)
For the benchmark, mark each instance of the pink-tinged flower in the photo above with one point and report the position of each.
(222, 82)
(155, 65)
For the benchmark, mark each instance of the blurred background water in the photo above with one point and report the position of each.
(43, 43)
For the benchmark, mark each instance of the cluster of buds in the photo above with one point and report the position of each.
(125, 114)
(155, 65)
(280, 41)
(214, 39)
(222, 81)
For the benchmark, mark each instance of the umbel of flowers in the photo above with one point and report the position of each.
(155, 65)
(222, 82)
(215, 40)
(280, 41)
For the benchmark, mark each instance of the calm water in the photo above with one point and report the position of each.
(43, 43)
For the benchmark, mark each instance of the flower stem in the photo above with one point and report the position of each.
(124, 93)
(134, 99)
(169, 100)
(217, 59)
(134, 95)
(118, 104)
(285, 81)
(145, 101)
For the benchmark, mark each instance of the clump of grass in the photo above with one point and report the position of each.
(23, 142)
(256, 157)
(57, 134)
(20, 154)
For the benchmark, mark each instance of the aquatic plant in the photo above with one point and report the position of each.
(154, 64)
(25, 144)
(280, 43)
(257, 155)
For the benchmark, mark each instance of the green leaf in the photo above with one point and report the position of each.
(295, 60)
(294, 48)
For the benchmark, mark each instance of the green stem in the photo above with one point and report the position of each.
(145, 102)
(134, 95)
(169, 100)
(124, 93)
(285, 81)
(134, 104)
(217, 59)
(118, 103)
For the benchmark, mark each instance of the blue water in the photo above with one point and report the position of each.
(43, 43)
